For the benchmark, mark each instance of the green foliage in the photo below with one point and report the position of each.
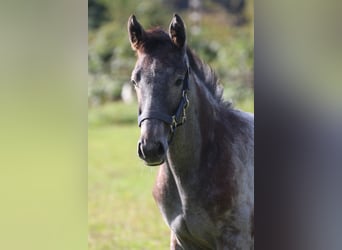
(97, 14)
(229, 49)
(103, 89)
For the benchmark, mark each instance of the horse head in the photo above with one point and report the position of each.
(160, 78)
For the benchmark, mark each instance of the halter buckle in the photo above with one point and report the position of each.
(173, 124)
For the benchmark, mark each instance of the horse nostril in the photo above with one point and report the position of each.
(150, 150)
(160, 149)
(140, 150)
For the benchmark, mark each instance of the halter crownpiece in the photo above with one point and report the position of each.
(179, 116)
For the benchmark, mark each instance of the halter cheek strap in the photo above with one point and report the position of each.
(179, 117)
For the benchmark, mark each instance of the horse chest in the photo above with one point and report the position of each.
(194, 230)
(190, 223)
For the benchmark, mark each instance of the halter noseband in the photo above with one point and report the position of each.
(179, 116)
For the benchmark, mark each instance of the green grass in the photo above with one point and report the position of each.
(112, 113)
(121, 211)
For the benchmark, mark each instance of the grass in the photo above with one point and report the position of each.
(121, 211)
(112, 113)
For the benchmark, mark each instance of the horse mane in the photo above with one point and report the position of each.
(207, 75)
(157, 36)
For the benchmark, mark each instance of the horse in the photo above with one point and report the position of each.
(204, 147)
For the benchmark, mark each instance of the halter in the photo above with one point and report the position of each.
(179, 117)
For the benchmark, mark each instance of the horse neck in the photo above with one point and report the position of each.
(184, 155)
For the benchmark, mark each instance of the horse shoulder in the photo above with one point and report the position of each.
(166, 195)
(243, 162)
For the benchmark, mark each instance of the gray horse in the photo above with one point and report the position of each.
(205, 147)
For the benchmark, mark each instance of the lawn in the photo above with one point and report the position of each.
(121, 211)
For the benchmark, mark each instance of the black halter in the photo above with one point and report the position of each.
(179, 116)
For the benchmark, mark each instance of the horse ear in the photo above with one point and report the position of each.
(135, 31)
(177, 31)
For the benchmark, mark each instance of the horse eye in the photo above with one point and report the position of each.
(134, 82)
(179, 82)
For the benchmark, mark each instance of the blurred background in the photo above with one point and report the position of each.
(121, 211)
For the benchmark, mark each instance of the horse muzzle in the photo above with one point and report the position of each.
(152, 152)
